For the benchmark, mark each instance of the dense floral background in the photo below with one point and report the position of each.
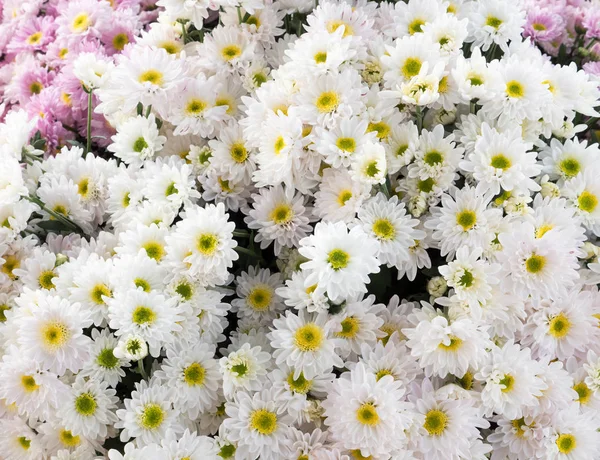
(299, 230)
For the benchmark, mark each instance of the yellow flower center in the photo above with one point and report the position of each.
(45, 279)
(320, 57)
(570, 167)
(170, 47)
(518, 425)
(382, 373)
(350, 328)
(542, 230)
(54, 335)
(587, 201)
(67, 438)
(327, 101)
(154, 250)
(384, 229)
(411, 67)
(10, 263)
(263, 421)
(343, 197)
(566, 443)
(29, 384)
(106, 359)
(98, 291)
(34, 38)
(36, 87)
(535, 263)
(381, 128)
(433, 158)
(230, 52)
(416, 26)
(282, 214)
(143, 315)
(152, 416)
(347, 144)
(559, 326)
(367, 414)
(338, 259)
(80, 23)
(152, 76)
(508, 381)
(238, 152)
(300, 385)
(194, 374)
(435, 422)
(195, 106)
(493, 22)
(334, 25)
(583, 393)
(515, 89)
(279, 145)
(260, 298)
(24, 442)
(308, 337)
(466, 219)
(207, 244)
(454, 345)
(85, 404)
(501, 161)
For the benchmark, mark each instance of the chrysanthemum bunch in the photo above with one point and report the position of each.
(288, 231)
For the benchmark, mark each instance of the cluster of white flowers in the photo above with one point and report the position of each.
(372, 238)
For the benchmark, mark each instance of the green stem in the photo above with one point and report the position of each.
(239, 10)
(89, 123)
(299, 24)
(64, 219)
(473, 106)
(184, 33)
(419, 116)
(140, 366)
(241, 234)
(70, 128)
(492, 51)
(385, 189)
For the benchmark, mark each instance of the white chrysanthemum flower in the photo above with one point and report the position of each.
(471, 277)
(443, 347)
(148, 414)
(448, 425)
(296, 294)
(232, 154)
(583, 193)
(131, 347)
(103, 365)
(190, 446)
(258, 424)
(592, 367)
(523, 438)
(19, 441)
(339, 196)
(566, 160)
(493, 23)
(257, 297)
(339, 260)
(150, 315)
(512, 382)
(191, 371)
(280, 216)
(387, 223)
(53, 335)
(89, 410)
(573, 435)
(365, 413)
(463, 220)
(538, 267)
(357, 324)
(501, 162)
(202, 244)
(306, 343)
(244, 370)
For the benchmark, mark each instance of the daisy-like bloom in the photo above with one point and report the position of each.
(493, 23)
(339, 260)
(257, 297)
(345, 142)
(560, 328)
(472, 76)
(280, 216)
(258, 424)
(306, 343)
(147, 314)
(232, 154)
(371, 166)
(137, 140)
(463, 220)
(471, 277)
(567, 160)
(35, 392)
(53, 335)
(19, 441)
(411, 18)
(145, 75)
(244, 369)
(436, 156)
(443, 347)
(89, 410)
(501, 161)
(192, 372)
(339, 197)
(573, 435)
(190, 445)
(195, 110)
(387, 223)
(103, 365)
(538, 267)
(359, 323)
(226, 48)
(512, 382)
(131, 347)
(148, 414)
(592, 368)
(365, 413)
(196, 12)
(202, 244)
(331, 97)
(522, 438)
(448, 425)
(521, 93)
(296, 295)
(401, 145)
(583, 193)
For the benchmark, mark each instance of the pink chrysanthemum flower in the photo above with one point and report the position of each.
(33, 35)
(543, 25)
(121, 31)
(46, 106)
(82, 18)
(591, 23)
(592, 67)
(28, 80)
(102, 129)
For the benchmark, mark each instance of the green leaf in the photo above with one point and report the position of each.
(53, 225)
